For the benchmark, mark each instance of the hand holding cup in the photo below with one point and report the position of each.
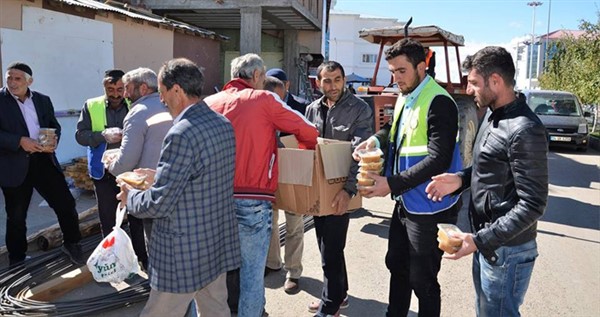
(112, 135)
(47, 139)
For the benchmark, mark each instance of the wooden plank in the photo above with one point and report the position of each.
(61, 285)
(83, 219)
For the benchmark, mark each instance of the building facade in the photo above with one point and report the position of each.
(70, 43)
(283, 32)
(355, 54)
(531, 59)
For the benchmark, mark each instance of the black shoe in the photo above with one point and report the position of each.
(134, 279)
(269, 270)
(73, 250)
(14, 262)
(144, 265)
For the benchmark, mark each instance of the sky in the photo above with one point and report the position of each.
(482, 22)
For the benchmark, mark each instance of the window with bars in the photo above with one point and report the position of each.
(369, 58)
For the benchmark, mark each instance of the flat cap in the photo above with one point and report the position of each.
(277, 73)
(21, 66)
(114, 73)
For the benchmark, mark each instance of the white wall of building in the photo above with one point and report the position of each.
(68, 55)
(522, 59)
(348, 49)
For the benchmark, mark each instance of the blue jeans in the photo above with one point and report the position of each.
(254, 223)
(500, 287)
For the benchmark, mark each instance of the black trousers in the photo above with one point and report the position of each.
(331, 236)
(414, 260)
(50, 183)
(106, 196)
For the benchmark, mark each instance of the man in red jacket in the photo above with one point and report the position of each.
(256, 116)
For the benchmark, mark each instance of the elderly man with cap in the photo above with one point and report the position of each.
(294, 224)
(26, 164)
(290, 99)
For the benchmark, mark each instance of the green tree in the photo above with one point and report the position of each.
(574, 64)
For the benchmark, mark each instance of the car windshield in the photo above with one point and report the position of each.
(555, 105)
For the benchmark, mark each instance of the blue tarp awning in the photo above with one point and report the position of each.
(353, 78)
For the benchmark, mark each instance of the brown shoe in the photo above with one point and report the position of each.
(291, 286)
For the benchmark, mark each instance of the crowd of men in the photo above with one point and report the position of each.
(211, 167)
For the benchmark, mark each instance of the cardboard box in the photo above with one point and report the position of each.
(310, 179)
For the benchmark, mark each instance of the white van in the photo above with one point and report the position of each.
(561, 113)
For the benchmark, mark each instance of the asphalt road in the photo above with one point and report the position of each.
(565, 282)
(566, 278)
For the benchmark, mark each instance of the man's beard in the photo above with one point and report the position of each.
(115, 101)
(413, 86)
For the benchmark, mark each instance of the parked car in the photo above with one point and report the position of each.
(562, 115)
(593, 109)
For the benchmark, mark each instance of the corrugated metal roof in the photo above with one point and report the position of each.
(146, 16)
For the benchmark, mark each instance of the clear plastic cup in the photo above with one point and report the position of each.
(372, 166)
(447, 243)
(110, 155)
(365, 181)
(114, 131)
(370, 155)
(47, 137)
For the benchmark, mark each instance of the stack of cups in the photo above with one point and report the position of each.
(47, 138)
(370, 162)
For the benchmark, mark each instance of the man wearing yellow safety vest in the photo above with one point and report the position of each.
(420, 142)
(99, 129)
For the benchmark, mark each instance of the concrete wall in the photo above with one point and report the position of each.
(10, 13)
(139, 44)
(204, 52)
(70, 47)
(271, 50)
(309, 42)
(68, 55)
(10, 18)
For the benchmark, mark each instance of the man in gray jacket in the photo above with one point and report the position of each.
(341, 116)
(144, 129)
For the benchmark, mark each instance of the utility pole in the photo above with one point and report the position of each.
(547, 36)
(533, 4)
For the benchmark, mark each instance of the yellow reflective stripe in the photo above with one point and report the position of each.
(418, 149)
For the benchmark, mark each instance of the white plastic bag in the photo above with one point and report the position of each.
(114, 260)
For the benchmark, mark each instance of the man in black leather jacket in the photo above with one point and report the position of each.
(509, 186)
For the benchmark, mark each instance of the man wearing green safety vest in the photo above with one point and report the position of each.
(99, 129)
(420, 142)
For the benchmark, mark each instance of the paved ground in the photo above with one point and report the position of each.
(566, 279)
(40, 216)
